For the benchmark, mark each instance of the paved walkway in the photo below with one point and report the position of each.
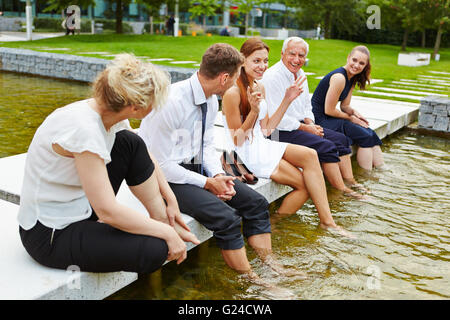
(8, 36)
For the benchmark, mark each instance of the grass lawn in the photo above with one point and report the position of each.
(324, 55)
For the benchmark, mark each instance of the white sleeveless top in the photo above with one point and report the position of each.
(259, 154)
(51, 190)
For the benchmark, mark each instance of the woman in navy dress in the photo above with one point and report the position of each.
(337, 86)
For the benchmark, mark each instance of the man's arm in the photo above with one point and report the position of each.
(161, 138)
(274, 95)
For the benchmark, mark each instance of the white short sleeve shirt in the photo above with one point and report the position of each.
(51, 190)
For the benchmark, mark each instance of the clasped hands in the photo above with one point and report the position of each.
(312, 128)
(222, 186)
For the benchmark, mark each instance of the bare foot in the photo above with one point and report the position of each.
(353, 194)
(273, 291)
(339, 230)
(359, 187)
(277, 267)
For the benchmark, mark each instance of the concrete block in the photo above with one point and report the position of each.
(426, 120)
(441, 124)
(440, 110)
(425, 108)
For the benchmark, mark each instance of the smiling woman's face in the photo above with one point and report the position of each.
(256, 64)
(356, 62)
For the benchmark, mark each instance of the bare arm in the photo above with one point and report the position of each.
(95, 182)
(337, 84)
(355, 116)
(173, 211)
(269, 124)
(230, 107)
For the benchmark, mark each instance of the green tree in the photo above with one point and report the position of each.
(245, 6)
(151, 7)
(204, 8)
(439, 9)
(346, 16)
(57, 5)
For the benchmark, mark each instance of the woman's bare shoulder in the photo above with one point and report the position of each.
(337, 80)
(231, 98)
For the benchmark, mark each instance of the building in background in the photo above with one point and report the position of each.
(273, 15)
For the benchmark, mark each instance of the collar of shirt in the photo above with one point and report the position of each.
(288, 74)
(197, 90)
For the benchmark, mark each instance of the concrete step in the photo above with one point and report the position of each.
(389, 95)
(424, 90)
(415, 84)
(412, 92)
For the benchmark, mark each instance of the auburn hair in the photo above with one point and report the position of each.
(247, 48)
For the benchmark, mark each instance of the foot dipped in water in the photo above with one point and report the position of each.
(338, 230)
(358, 196)
(353, 194)
(359, 187)
(271, 290)
(281, 270)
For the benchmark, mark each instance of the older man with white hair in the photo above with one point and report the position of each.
(297, 125)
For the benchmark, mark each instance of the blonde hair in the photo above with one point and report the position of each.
(128, 81)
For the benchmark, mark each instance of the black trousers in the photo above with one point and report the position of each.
(95, 246)
(247, 208)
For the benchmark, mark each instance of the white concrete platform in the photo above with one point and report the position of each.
(8, 36)
(396, 114)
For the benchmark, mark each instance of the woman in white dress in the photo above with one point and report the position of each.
(246, 119)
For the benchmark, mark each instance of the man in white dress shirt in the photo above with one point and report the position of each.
(297, 125)
(174, 136)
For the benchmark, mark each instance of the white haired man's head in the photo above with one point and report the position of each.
(294, 40)
(293, 53)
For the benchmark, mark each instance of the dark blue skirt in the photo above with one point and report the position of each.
(363, 137)
(329, 148)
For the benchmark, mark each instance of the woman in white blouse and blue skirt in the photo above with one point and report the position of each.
(246, 118)
(77, 161)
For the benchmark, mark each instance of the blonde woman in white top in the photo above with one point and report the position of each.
(246, 112)
(75, 165)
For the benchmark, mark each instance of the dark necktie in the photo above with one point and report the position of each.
(204, 108)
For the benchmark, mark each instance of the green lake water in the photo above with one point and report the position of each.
(402, 245)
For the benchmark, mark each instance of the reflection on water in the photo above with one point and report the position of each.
(25, 101)
(402, 250)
